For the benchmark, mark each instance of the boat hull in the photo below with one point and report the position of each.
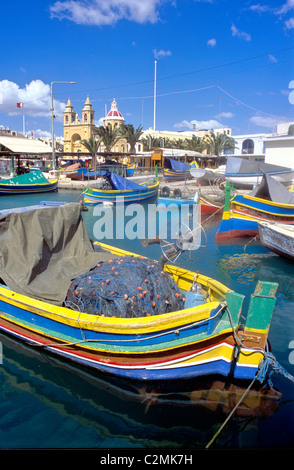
(192, 342)
(97, 196)
(207, 361)
(172, 175)
(241, 220)
(277, 238)
(252, 180)
(130, 169)
(9, 190)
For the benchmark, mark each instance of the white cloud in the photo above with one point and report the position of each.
(260, 8)
(35, 96)
(268, 122)
(272, 58)
(289, 23)
(210, 124)
(161, 53)
(289, 5)
(211, 42)
(225, 115)
(240, 34)
(40, 133)
(106, 12)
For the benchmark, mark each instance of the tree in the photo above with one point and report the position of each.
(92, 145)
(196, 144)
(151, 143)
(217, 144)
(131, 135)
(108, 136)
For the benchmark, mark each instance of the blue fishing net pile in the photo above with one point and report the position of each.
(126, 287)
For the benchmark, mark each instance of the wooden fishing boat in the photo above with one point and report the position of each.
(33, 182)
(121, 189)
(245, 172)
(39, 304)
(278, 238)
(175, 170)
(71, 171)
(269, 202)
(130, 168)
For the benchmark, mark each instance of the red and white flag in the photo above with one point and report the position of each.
(19, 105)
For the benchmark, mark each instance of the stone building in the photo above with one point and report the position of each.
(76, 130)
(115, 119)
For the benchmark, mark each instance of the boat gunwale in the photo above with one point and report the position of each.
(118, 191)
(259, 200)
(134, 325)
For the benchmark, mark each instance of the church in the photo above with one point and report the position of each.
(76, 130)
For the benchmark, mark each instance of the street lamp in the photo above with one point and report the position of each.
(52, 112)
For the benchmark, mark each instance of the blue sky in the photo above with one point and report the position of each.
(219, 62)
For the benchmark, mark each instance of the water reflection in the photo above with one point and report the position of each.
(100, 412)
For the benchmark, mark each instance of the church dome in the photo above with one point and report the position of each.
(114, 113)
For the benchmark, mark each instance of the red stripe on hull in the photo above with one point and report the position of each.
(235, 234)
(106, 359)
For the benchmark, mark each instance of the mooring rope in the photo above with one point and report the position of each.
(263, 376)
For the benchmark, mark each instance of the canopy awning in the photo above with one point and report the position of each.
(23, 145)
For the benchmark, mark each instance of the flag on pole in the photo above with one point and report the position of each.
(19, 105)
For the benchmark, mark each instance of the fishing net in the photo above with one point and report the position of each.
(125, 287)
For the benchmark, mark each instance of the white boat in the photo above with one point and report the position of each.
(278, 238)
(208, 174)
(249, 173)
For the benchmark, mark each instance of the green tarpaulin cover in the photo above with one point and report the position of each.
(42, 250)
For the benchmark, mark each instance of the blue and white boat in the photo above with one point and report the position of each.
(121, 189)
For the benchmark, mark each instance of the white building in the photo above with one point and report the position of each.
(280, 146)
(250, 145)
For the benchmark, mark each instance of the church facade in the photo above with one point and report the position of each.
(76, 130)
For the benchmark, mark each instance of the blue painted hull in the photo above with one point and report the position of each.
(93, 196)
(245, 213)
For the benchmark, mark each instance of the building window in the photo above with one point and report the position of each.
(85, 117)
(248, 146)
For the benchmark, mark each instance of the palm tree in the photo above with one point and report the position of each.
(217, 144)
(92, 145)
(196, 144)
(151, 143)
(108, 136)
(131, 135)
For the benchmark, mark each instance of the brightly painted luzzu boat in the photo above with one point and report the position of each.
(202, 337)
(177, 170)
(270, 202)
(33, 182)
(122, 189)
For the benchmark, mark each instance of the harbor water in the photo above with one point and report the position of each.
(46, 404)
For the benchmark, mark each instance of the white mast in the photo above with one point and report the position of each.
(154, 116)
